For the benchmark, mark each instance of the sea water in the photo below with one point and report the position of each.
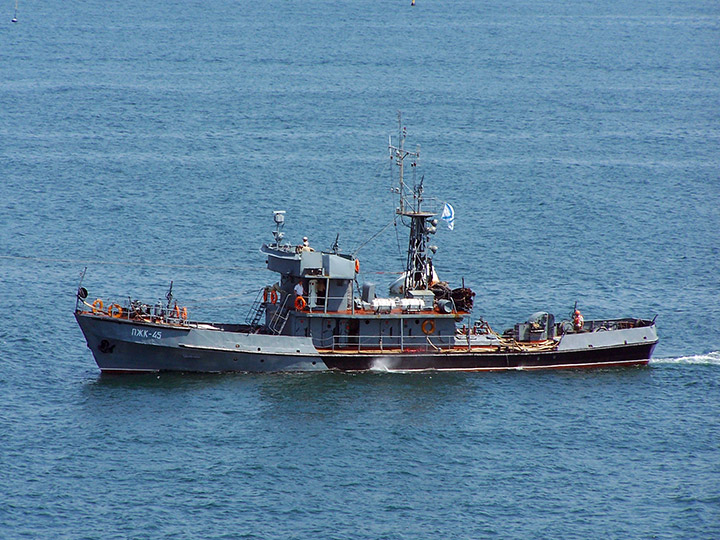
(150, 143)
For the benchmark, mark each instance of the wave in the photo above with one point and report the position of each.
(708, 359)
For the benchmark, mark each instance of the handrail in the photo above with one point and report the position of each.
(356, 304)
(134, 310)
(257, 308)
(368, 342)
(280, 316)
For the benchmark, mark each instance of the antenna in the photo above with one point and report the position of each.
(418, 269)
(398, 154)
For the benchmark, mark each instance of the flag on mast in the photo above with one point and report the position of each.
(448, 214)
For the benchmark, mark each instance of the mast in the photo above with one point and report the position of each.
(418, 269)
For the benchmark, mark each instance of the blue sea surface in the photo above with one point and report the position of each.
(579, 143)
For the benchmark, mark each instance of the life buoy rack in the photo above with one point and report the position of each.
(300, 303)
(97, 306)
(357, 266)
(428, 326)
(115, 311)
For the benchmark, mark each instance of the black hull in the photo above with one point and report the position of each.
(626, 355)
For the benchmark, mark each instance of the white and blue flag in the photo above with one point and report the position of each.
(448, 214)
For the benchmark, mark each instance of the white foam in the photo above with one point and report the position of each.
(379, 364)
(709, 359)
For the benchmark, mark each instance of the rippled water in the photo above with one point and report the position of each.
(578, 143)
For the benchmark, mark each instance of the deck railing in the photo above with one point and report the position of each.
(134, 310)
(369, 343)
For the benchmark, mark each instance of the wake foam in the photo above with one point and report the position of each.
(386, 365)
(709, 359)
(379, 364)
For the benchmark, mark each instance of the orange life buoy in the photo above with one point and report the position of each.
(273, 296)
(177, 312)
(97, 306)
(115, 311)
(265, 294)
(300, 303)
(357, 266)
(184, 314)
(428, 326)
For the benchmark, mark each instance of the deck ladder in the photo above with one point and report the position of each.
(257, 310)
(280, 317)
